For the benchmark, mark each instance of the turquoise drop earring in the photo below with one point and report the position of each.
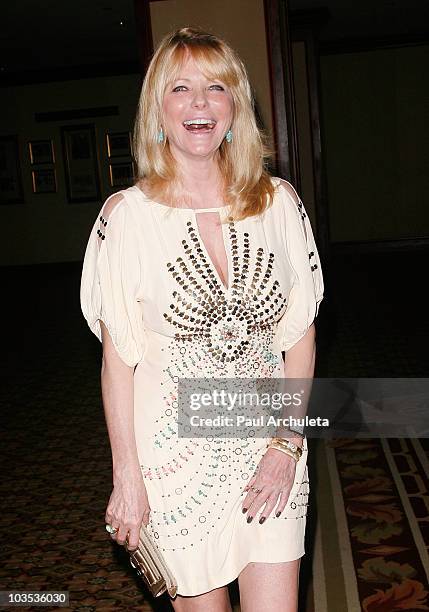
(228, 136)
(160, 137)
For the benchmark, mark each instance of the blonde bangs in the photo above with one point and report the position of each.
(213, 64)
(247, 184)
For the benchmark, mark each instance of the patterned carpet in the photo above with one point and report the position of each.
(368, 524)
(375, 557)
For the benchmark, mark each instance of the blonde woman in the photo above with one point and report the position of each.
(206, 267)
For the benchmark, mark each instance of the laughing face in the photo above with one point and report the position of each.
(197, 113)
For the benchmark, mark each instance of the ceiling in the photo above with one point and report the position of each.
(86, 33)
(66, 34)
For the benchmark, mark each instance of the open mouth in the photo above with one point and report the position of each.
(199, 125)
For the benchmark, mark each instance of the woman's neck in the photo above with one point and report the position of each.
(199, 178)
(195, 174)
(199, 184)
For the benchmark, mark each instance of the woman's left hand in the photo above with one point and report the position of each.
(274, 480)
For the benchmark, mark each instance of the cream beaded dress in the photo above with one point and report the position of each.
(148, 276)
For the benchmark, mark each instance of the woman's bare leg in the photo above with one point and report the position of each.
(216, 600)
(269, 586)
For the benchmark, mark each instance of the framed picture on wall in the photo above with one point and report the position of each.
(121, 174)
(44, 180)
(10, 171)
(118, 144)
(41, 152)
(81, 163)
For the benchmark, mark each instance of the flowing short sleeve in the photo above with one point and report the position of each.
(308, 287)
(111, 279)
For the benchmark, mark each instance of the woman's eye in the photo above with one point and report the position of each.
(212, 87)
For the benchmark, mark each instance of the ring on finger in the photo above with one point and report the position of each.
(255, 490)
(110, 529)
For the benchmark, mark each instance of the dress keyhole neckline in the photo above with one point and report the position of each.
(225, 286)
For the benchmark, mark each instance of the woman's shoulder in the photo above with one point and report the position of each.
(112, 204)
(285, 187)
(286, 200)
(123, 200)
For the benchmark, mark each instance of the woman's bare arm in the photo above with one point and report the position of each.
(301, 357)
(300, 363)
(128, 504)
(118, 400)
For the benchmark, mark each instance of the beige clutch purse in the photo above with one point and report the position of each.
(150, 566)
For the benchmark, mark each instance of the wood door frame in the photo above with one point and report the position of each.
(282, 91)
(144, 34)
(304, 26)
(284, 27)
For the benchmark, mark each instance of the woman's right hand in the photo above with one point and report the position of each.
(128, 507)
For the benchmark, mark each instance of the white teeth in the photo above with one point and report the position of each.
(199, 121)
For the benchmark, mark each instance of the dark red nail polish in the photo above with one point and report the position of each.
(250, 519)
(262, 519)
(278, 514)
(244, 510)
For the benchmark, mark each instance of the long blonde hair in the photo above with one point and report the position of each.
(242, 162)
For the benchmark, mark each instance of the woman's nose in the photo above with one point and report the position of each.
(200, 98)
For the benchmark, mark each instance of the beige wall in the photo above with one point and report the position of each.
(240, 22)
(46, 228)
(376, 133)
